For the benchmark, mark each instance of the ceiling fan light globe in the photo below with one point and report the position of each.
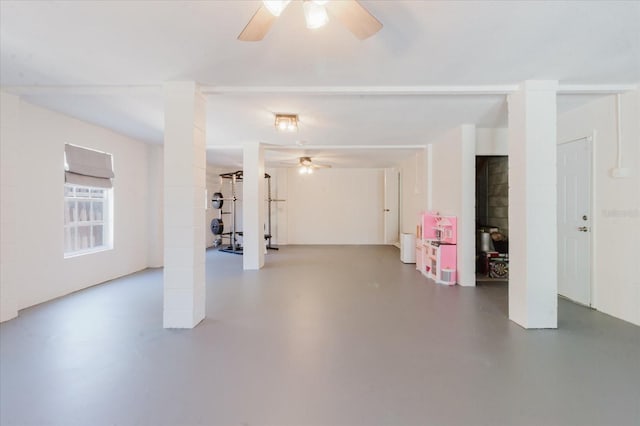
(275, 7)
(315, 15)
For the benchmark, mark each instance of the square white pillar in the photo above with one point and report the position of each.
(184, 213)
(10, 217)
(467, 220)
(253, 206)
(533, 282)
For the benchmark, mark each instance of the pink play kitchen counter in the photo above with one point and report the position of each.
(436, 250)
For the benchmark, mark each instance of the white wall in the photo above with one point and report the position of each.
(413, 191)
(492, 141)
(616, 214)
(335, 206)
(445, 173)
(33, 267)
(451, 176)
(155, 156)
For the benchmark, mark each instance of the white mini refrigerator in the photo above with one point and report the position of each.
(408, 248)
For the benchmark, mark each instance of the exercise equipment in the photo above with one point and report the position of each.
(217, 201)
(217, 225)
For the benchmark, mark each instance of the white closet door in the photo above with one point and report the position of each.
(574, 221)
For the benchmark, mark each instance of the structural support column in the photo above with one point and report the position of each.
(533, 283)
(11, 149)
(253, 206)
(467, 219)
(184, 209)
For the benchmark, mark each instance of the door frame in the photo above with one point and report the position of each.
(592, 206)
(396, 189)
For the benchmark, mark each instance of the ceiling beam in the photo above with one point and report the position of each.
(472, 90)
(84, 90)
(480, 90)
(590, 89)
(360, 90)
(274, 147)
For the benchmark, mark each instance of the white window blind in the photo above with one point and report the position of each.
(87, 167)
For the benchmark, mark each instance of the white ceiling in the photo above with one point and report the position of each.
(81, 50)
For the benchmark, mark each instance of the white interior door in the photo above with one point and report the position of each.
(391, 206)
(574, 220)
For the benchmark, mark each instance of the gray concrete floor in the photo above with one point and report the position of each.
(321, 336)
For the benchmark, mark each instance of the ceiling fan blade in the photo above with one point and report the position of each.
(258, 25)
(321, 166)
(355, 17)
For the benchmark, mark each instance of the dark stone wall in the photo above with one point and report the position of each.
(498, 193)
(492, 192)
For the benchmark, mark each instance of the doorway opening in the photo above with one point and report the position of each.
(492, 219)
(391, 208)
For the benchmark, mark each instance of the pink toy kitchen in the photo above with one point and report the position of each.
(436, 254)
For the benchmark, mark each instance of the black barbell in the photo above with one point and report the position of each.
(217, 201)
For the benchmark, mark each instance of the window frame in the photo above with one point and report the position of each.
(91, 219)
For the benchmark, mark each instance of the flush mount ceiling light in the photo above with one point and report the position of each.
(286, 122)
(349, 12)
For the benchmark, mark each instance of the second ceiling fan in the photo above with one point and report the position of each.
(306, 166)
(349, 12)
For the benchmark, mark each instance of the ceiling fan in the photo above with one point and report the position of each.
(306, 166)
(350, 12)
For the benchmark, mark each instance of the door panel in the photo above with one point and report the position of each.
(391, 206)
(574, 220)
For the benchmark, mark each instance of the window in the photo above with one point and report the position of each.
(86, 219)
(87, 201)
